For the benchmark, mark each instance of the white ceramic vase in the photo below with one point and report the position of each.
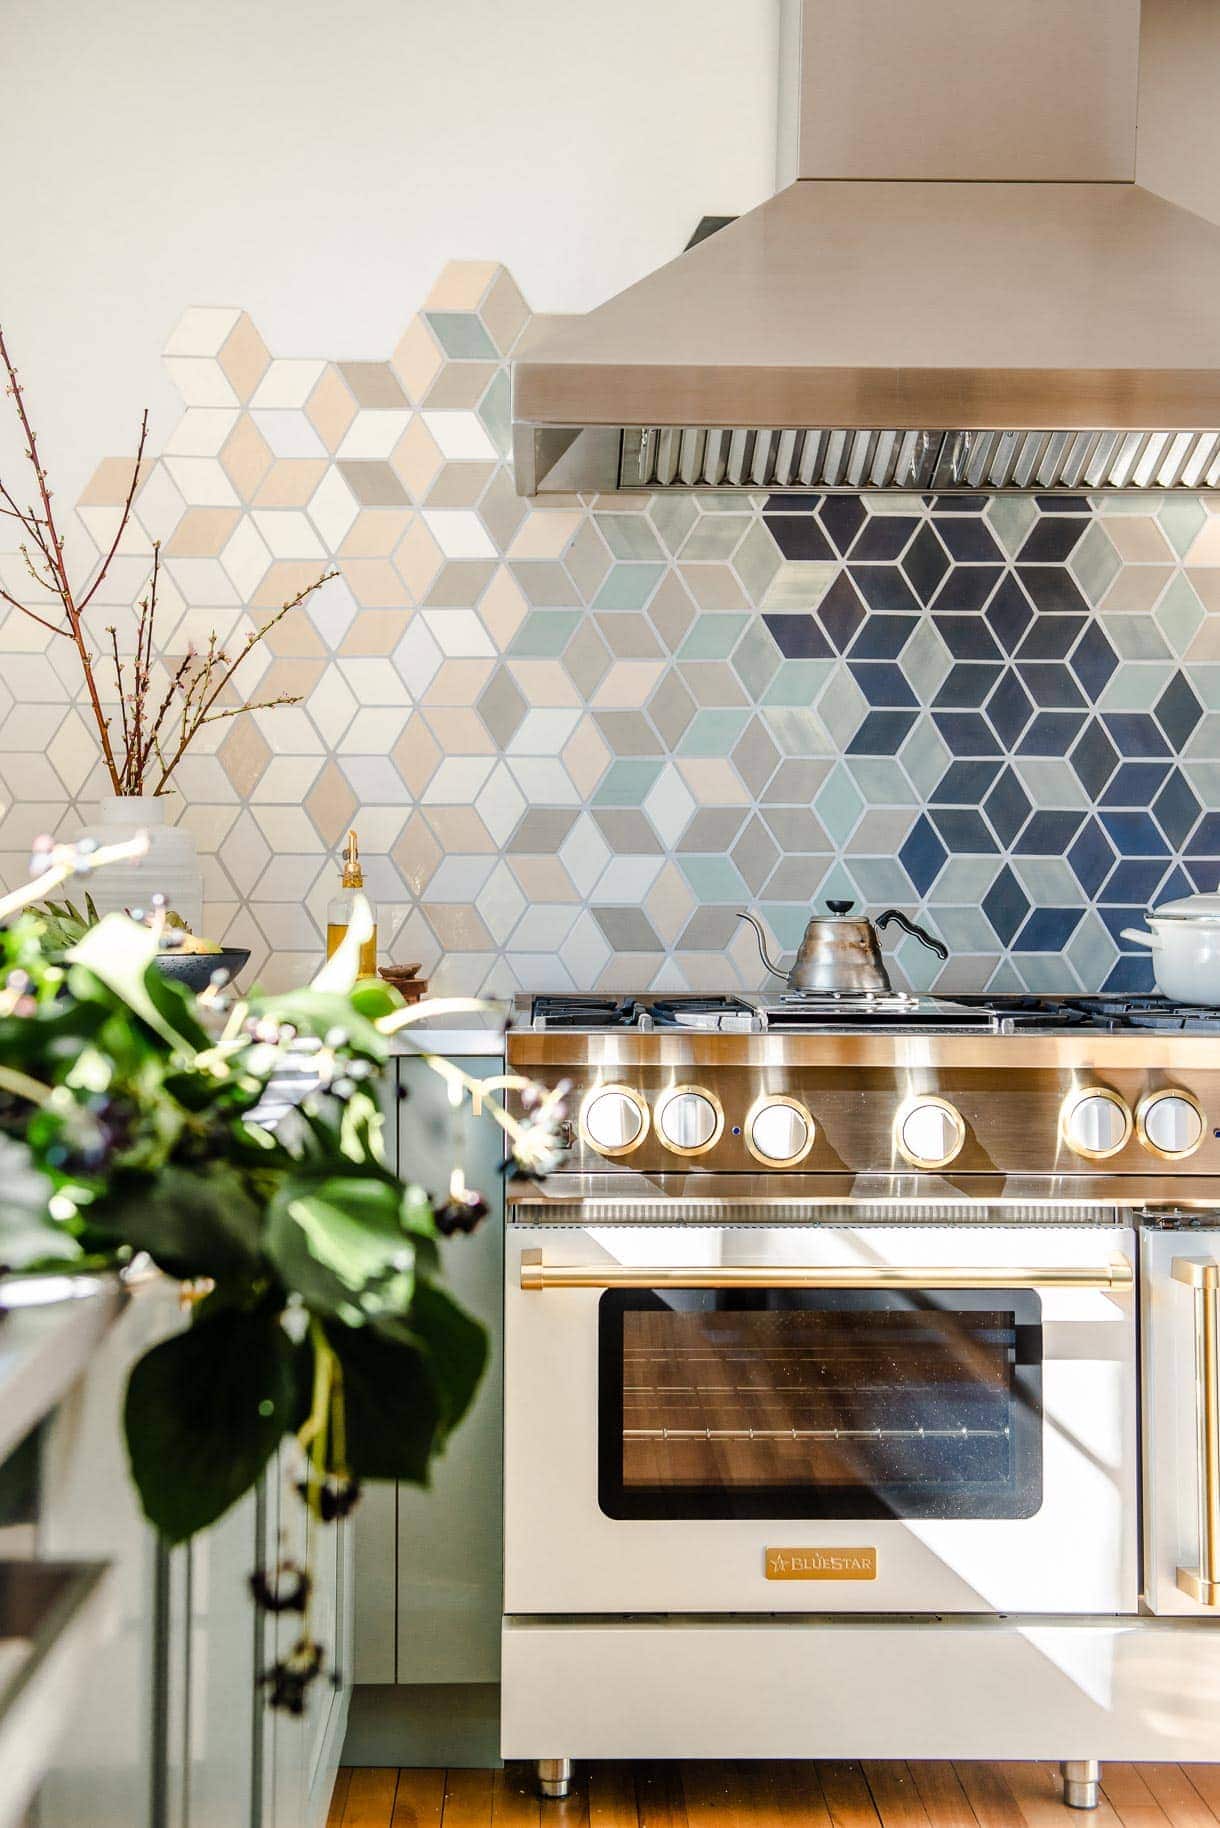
(170, 868)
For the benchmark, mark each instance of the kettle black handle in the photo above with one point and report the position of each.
(908, 926)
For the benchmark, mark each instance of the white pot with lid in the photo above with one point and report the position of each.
(1185, 947)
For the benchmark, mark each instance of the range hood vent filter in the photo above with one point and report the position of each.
(694, 457)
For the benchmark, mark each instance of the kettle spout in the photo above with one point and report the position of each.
(762, 945)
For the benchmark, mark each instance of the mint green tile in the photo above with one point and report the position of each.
(714, 878)
(924, 755)
(629, 536)
(796, 731)
(898, 502)
(1205, 678)
(715, 536)
(787, 920)
(800, 584)
(1129, 501)
(838, 884)
(1095, 563)
(628, 586)
(713, 732)
(882, 879)
(1011, 517)
(798, 682)
(1179, 615)
(965, 880)
(839, 804)
(1135, 686)
(673, 516)
(1180, 519)
(842, 706)
(462, 337)
(881, 780)
(713, 637)
(496, 413)
(756, 561)
(1203, 744)
(1135, 637)
(720, 501)
(545, 633)
(918, 965)
(628, 781)
(926, 662)
(756, 659)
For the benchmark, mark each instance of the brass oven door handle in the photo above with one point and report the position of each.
(536, 1274)
(1203, 1583)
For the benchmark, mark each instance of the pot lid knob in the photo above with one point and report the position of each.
(840, 907)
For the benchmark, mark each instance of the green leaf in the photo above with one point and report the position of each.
(313, 1012)
(393, 1413)
(198, 1221)
(341, 1243)
(120, 952)
(457, 1347)
(204, 1413)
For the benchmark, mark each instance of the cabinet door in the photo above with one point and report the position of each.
(112, 1767)
(450, 1537)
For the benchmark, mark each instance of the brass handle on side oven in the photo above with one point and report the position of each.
(535, 1274)
(1203, 1583)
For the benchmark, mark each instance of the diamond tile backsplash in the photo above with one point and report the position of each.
(576, 736)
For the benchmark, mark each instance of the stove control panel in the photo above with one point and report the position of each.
(823, 1118)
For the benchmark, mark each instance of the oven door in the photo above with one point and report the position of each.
(885, 1418)
(1180, 1297)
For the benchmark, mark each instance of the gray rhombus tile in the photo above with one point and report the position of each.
(502, 707)
(671, 708)
(627, 929)
(587, 561)
(544, 582)
(628, 732)
(586, 659)
(671, 611)
(755, 756)
(627, 831)
(715, 536)
(629, 536)
(756, 561)
(881, 879)
(755, 853)
(629, 636)
(673, 516)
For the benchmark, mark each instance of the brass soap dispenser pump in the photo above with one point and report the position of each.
(339, 910)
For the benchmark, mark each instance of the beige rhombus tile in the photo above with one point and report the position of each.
(713, 782)
(375, 584)
(416, 755)
(714, 587)
(202, 532)
(288, 828)
(460, 828)
(669, 903)
(460, 485)
(459, 386)
(543, 682)
(458, 682)
(417, 459)
(244, 755)
(416, 853)
(461, 730)
(628, 682)
(461, 285)
(544, 535)
(1138, 540)
(544, 879)
(417, 560)
(1206, 584)
(285, 579)
(504, 311)
(330, 408)
(110, 482)
(246, 457)
(1204, 549)
(244, 358)
(586, 756)
(503, 607)
(331, 804)
(373, 384)
(290, 482)
(417, 359)
(1136, 588)
(374, 632)
(458, 927)
(375, 533)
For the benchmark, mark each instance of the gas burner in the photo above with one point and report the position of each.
(583, 1012)
(726, 1015)
(898, 1009)
(1113, 1014)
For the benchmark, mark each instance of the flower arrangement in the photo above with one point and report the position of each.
(236, 1142)
(162, 702)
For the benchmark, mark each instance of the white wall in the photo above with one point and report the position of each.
(319, 163)
(1178, 143)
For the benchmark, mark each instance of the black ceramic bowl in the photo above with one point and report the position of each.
(194, 969)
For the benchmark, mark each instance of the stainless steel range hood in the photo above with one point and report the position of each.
(899, 333)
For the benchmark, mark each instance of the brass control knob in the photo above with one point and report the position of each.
(1095, 1122)
(779, 1131)
(1171, 1124)
(929, 1132)
(613, 1119)
(689, 1119)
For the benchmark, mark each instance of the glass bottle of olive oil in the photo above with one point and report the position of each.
(339, 910)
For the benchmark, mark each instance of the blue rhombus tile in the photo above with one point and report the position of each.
(966, 589)
(925, 562)
(967, 637)
(1177, 711)
(883, 637)
(963, 830)
(1005, 905)
(1051, 541)
(966, 733)
(1133, 880)
(1007, 806)
(841, 612)
(967, 685)
(1130, 976)
(1091, 857)
(1050, 637)
(1136, 784)
(1009, 613)
(1050, 685)
(882, 733)
(1048, 930)
(799, 536)
(1135, 733)
(965, 783)
(1049, 834)
(1052, 589)
(1010, 707)
(1093, 660)
(1134, 834)
(1093, 757)
(883, 536)
(884, 588)
(1176, 808)
(841, 515)
(968, 538)
(1205, 839)
(923, 856)
(882, 682)
(1051, 733)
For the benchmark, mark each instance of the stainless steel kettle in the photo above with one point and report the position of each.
(840, 954)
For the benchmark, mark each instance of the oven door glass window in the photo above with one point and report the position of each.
(820, 1403)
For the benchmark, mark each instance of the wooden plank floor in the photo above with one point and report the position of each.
(825, 1794)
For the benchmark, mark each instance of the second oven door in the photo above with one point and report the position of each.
(820, 1449)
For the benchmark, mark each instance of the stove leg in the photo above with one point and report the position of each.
(1081, 1782)
(555, 1778)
